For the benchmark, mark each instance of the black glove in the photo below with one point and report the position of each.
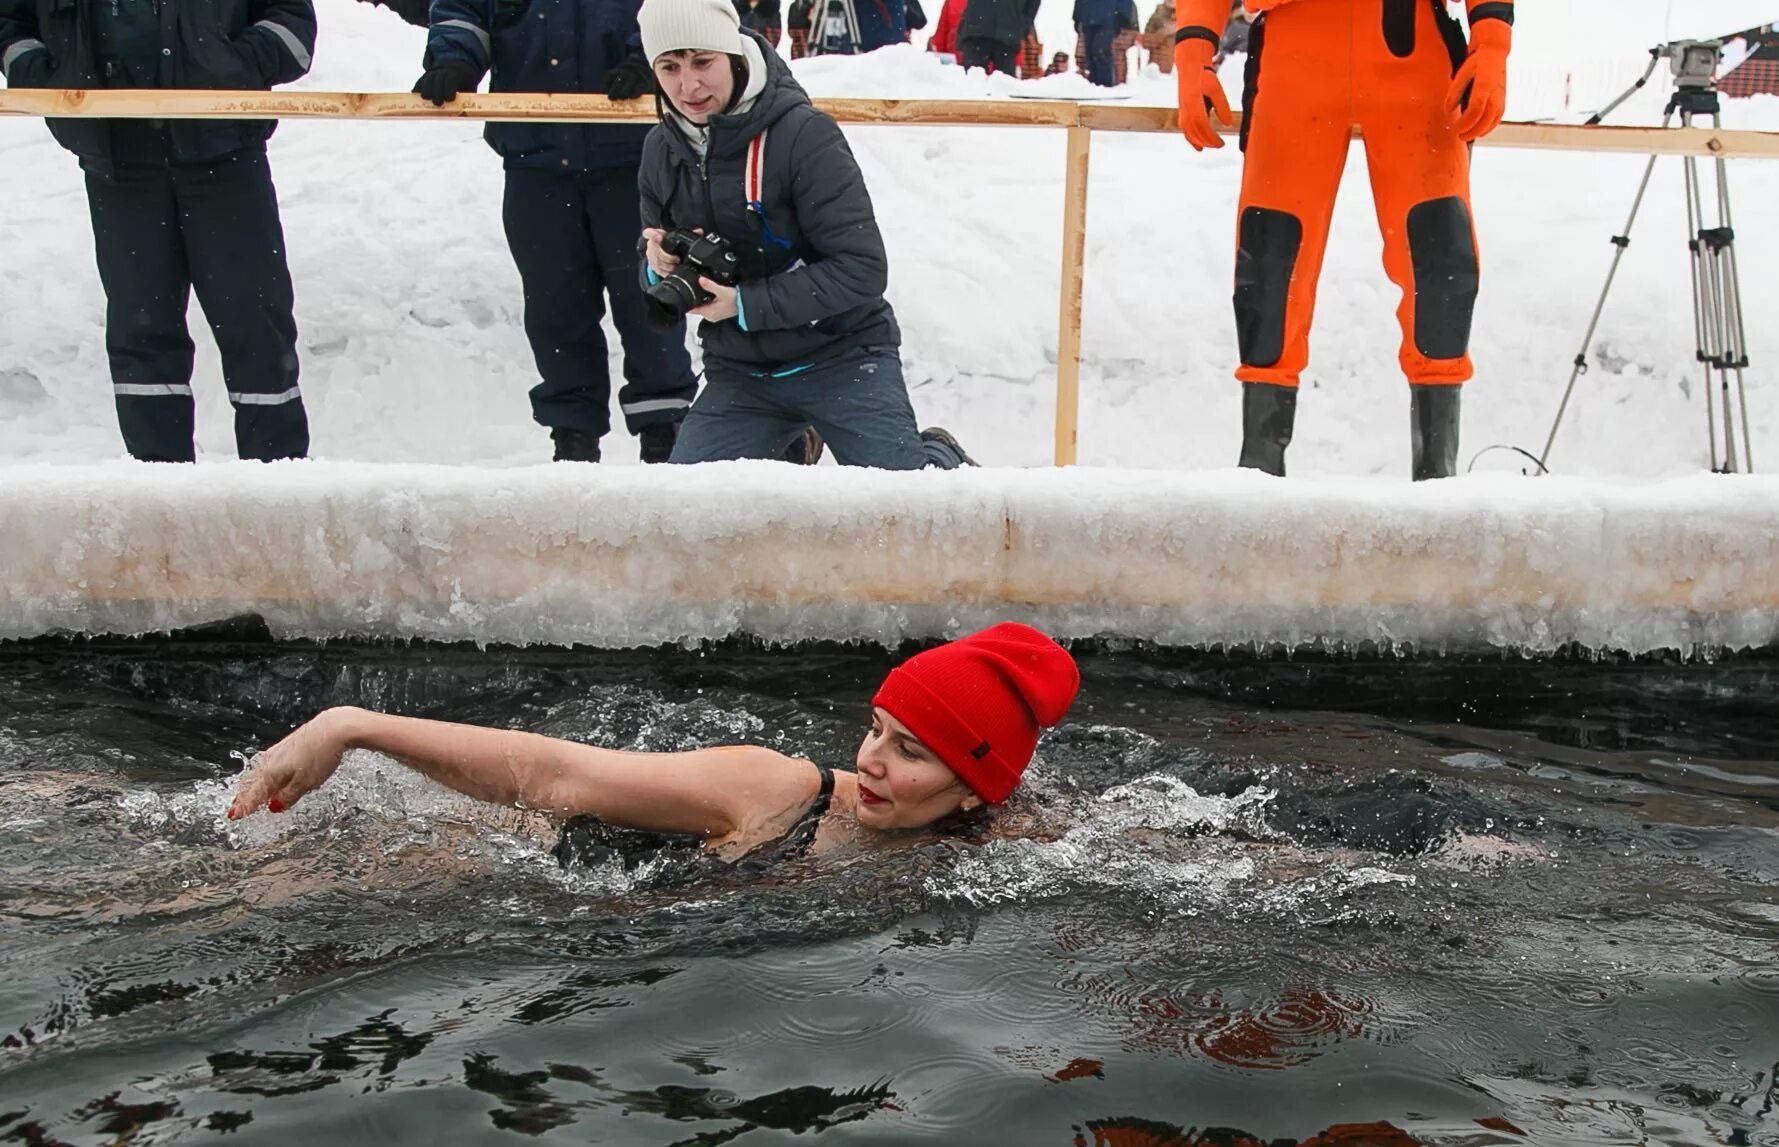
(414, 12)
(630, 80)
(32, 70)
(441, 82)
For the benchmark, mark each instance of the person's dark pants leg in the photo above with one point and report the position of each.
(147, 283)
(658, 381)
(979, 52)
(552, 245)
(737, 415)
(234, 244)
(859, 405)
(1097, 46)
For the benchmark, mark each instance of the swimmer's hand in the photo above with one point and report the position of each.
(282, 775)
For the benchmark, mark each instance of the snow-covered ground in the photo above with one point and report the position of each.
(409, 305)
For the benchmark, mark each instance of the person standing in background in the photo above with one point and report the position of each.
(761, 16)
(180, 205)
(571, 210)
(991, 31)
(1158, 36)
(797, 27)
(944, 37)
(1099, 23)
(1420, 93)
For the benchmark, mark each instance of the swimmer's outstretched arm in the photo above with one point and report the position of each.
(713, 792)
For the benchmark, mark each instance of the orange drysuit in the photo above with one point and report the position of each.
(1402, 73)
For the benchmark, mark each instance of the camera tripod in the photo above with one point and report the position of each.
(1718, 333)
(834, 29)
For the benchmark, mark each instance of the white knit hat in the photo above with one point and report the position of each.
(689, 26)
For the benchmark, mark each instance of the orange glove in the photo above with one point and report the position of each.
(1201, 93)
(1478, 95)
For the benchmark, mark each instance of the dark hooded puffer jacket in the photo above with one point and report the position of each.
(813, 268)
(228, 44)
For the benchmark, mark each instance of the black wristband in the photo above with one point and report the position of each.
(1492, 11)
(1197, 32)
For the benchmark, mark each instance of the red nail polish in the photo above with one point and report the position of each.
(275, 806)
(233, 815)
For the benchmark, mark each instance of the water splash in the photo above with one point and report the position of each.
(1121, 840)
(1159, 839)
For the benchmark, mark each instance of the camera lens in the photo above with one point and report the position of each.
(669, 299)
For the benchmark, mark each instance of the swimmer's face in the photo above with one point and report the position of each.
(902, 783)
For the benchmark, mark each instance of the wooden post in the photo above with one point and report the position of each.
(1074, 258)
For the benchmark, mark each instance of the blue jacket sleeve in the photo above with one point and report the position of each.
(280, 39)
(458, 31)
(847, 265)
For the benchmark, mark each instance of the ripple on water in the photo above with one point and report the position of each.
(836, 1024)
(1281, 1031)
(946, 1094)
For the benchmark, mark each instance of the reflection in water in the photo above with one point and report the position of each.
(529, 1106)
(1133, 1132)
(1287, 1031)
(379, 1044)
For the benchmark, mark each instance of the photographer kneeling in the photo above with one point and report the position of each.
(757, 221)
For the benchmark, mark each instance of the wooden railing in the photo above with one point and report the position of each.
(1080, 120)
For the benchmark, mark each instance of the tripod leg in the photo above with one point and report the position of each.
(1736, 334)
(1705, 303)
(1717, 316)
(1619, 243)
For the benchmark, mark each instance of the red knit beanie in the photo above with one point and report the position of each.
(978, 701)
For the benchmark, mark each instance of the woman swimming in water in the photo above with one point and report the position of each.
(952, 729)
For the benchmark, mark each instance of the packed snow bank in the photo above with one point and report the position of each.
(626, 556)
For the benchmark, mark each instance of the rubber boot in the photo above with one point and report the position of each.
(574, 445)
(1268, 413)
(1433, 430)
(655, 443)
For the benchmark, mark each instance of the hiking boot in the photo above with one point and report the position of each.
(574, 445)
(1268, 414)
(657, 441)
(805, 449)
(944, 438)
(1433, 430)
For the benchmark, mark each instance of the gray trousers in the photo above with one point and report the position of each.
(858, 404)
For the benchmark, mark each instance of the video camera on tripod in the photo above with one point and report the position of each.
(1719, 335)
(1694, 62)
(834, 28)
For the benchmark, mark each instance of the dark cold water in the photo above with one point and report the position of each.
(1253, 902)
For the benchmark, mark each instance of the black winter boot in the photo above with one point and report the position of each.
(948, 440)
(657, 441)
(574, 445)
(1268, 413)
(1433, 430)
(805, 449)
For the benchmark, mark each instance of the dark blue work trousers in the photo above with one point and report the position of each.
(573, 237)
(161, 231)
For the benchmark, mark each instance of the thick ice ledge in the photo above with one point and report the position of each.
(622, 556)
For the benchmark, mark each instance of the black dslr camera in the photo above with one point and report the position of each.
(700, 256)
